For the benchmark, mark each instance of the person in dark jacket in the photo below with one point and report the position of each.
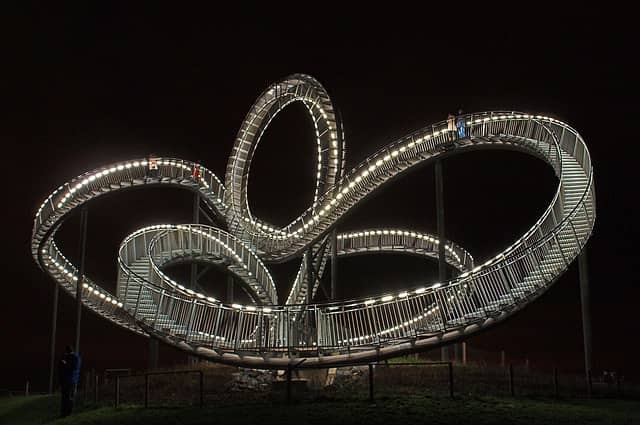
(69, 377)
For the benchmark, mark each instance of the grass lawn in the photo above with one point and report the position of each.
(408, 410)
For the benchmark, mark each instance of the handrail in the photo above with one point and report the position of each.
(335, 332)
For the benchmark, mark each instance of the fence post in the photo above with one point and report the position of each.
(117, 393)
(288, 383)
(201, 389)
(146, 390)
(618, 384)
(556, 388)
(26, 389)
(370, 382)
(87, 381)
(589, 386)
(95, 388)
(511, 388)
(450, 379)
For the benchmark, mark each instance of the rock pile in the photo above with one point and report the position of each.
(348, 377)
(251, 380)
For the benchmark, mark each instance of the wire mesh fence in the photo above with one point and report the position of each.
(213, 384)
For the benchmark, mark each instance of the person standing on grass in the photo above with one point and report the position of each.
(69, 377)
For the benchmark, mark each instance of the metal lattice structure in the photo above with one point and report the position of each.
(272, 335)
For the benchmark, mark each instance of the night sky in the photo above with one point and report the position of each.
(88, 85)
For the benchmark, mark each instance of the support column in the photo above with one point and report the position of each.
(229, 289)
(310, 278)
(154, 348)
(442, 264)
(80, 281)
(334, 263)
(193, 281)
(586, 314)
(196, 220)
(54, 325)
(444, 353)
(464, 352)
(310, 284)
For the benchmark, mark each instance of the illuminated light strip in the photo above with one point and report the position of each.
(476, 269)
(197, 229)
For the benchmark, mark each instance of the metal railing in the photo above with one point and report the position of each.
(349, 330)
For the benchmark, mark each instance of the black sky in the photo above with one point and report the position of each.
(91, 84)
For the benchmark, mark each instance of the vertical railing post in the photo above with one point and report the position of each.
(190, 321)
(135, 310)
(155, 318)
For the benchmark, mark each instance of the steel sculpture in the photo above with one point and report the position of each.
(269, 334)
